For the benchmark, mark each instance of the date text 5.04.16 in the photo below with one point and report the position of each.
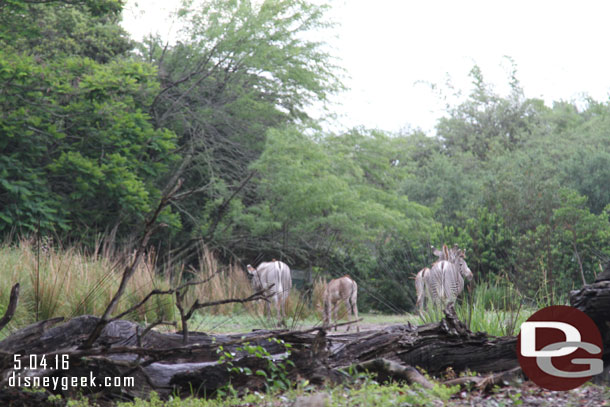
(31, 362)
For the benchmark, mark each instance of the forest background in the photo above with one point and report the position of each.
(94, 127)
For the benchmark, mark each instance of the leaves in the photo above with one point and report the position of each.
(79, 151)
(334, 194)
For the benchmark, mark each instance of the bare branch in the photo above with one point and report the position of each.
(129, 270)
(259, 295)
(221, 210)
(138, 305)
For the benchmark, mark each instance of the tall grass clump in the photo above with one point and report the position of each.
(548, 294)
(494, 306)
(69, 282)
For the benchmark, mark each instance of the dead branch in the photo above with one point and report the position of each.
(489, 381)
(12, 306)
(387, 369)
(263, 294)
(179, 298)
(129, 270)
(141, 303)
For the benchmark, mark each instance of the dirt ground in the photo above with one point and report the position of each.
(529, 394)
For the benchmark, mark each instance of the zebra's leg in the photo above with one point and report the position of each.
(348, 310)
(419, 289)
(277, 305)
(354, 301)
(267, 310)
(335, 312)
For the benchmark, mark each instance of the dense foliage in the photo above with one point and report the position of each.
(94, 127)
(80, 154)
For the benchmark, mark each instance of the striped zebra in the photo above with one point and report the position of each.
(275, 276)
(444, 281)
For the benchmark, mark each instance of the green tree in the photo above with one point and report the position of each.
(487, 123)
(240, 69)
(583, 232)
(55, 28)
(326, 195)
(79, 152)
(448, 185)
(489, 245)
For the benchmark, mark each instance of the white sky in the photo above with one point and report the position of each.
(389, 47)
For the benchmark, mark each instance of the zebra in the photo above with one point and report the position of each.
(341, 289)
(275, 276)
(444, 281)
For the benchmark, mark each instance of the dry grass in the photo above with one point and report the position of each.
(224, 282)
(68, 282)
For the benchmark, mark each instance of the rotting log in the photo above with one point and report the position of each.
(594, 300)
(162, 363)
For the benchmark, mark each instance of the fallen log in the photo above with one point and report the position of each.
(208, 363)
(594, 300)
(162, 362)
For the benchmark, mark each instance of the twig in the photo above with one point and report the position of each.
(138, 305)
(184, 317)
(161, 292)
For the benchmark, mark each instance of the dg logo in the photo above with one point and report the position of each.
(560, 348)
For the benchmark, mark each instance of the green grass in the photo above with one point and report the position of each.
(365, 392)
(245, 322)
(69, 282)
(493, 306)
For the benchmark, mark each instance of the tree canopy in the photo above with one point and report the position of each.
(94, 126)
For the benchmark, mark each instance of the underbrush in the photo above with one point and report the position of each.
(494, 306)
(365, 392)
(66, 282)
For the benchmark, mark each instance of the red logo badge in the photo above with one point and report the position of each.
(560, 348)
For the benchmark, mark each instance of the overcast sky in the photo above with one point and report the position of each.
(391, 48)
